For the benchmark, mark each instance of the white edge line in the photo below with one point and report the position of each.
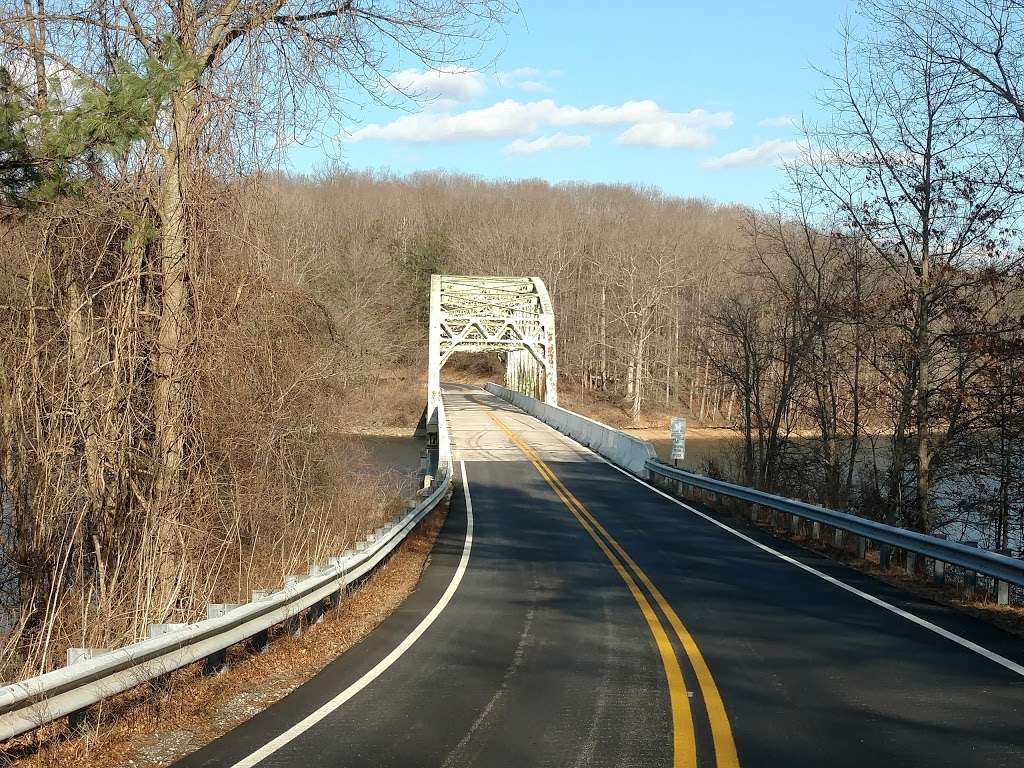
(323, 711)
(952, 636)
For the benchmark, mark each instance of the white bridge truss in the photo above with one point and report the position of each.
(512, 315)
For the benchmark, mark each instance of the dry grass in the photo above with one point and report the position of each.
(150, 728)
(110, 529)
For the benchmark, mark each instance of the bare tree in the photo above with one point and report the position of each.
(927, 186)
(818, 272)
(152, 113)
(983, 38)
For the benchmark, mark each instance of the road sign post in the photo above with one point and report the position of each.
(677, 431)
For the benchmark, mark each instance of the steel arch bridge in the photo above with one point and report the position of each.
(513, 315)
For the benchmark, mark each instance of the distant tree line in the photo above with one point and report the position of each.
(861, 335)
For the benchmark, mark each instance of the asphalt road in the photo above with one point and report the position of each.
(571, 616)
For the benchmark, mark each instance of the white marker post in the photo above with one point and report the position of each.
(677, 431)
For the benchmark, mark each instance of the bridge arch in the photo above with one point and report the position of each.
(512, 315)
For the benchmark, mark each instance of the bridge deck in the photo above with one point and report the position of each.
(544, 655)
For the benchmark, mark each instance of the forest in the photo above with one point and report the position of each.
(183, 328)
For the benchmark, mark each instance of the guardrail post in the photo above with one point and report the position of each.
(158, 630)
(335, 597)
(837, 537)
(75, 655)
(315, 614)
(218, 660)
(258, 643)
(970, 577)
(816, 530)
(293, 624)
(217, 610)
(1002, 587)
(794, 524)
(884, 556)
(939, 566)
(911, 563)
(862, 548)
(162, 683)
(78, 719)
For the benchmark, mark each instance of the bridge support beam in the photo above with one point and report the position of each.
(509, 315)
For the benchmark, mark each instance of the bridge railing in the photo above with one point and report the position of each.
(973, 560)
(626, 451)
(99, 674)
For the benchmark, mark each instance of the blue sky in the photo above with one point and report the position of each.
(694, 98)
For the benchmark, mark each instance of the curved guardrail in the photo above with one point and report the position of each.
(999, 567)
(38, 700)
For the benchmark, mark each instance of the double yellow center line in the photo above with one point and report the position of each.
(684, 747)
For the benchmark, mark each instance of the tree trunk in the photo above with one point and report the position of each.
(176, 269)
(37, 40)
(923, 392)
(637, 368)
(704, 388)
(604, 339)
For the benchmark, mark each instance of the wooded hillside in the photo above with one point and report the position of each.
(790, 326)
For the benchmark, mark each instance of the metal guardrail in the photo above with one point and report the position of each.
(999, 567)
(973, 560)
(28, 704)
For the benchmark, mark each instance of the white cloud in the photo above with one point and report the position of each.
(780, 121)
(529, 79)
(533, 86)
(667, 134)
(519, 73)
(443, 85)
(648, 124)
(604, 115)
(506, 119)
(544, 143)
(673, 130)
(774, 152)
